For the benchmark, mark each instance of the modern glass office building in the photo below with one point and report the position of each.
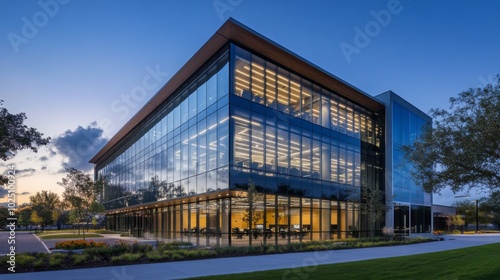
(247, 142)
(411, 205)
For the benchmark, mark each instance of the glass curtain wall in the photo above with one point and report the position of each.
(412, 212)
(295, 139)
(183, 150)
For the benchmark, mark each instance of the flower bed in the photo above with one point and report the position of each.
(79, 244)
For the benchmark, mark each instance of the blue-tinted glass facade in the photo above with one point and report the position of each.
(407, 127)
(411, 205)
(182, 150)
(294, 136)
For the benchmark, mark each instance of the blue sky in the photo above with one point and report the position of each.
(69, 64)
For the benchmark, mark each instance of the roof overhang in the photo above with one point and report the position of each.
(233, 31)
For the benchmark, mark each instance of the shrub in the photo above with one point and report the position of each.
(125, 234)
(41, 260)
(177, 257)
(155, 256)
(139, 248)
(127, 258)
(24, 260)
(456, 231)
(79, 244)
(56, 260)
(162, 246)
(79, 259)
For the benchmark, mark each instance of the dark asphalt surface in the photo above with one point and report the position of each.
(24, 242)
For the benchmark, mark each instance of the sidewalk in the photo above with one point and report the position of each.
(188, 269)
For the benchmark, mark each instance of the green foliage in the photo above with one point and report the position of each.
(79, 259)
(491, 207)
(458, 220)
(24, 216)
(4, 214)
(162, 246)
(35, 218)
(126, 258)
(462, 148)
(15, 135)
(57, 260)
(373, 206)
(80, 193)
(45, 205)
(24, 260)
(155, 256)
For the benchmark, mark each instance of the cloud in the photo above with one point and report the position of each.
(79, 146)
(25, 172)
(44, 158)
(24, 193)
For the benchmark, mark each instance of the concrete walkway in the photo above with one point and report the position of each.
(299, 263)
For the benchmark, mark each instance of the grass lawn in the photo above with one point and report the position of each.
(480, 262)
(68, 235)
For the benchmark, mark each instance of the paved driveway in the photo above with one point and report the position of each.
(25, 242)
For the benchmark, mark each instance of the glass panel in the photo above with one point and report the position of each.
(241, 138)
(257, 146)
(316, 102)
(242, 76)
(271, 85)
(223, 133)
(295, 96)
(283, 148)
(257, 79)
(223, 81)
(306, 97)
(295, 154)
(270, 149)
(212, 141)
(212, 87)
(202, 94)
(283, 90)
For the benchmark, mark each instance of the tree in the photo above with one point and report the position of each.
(491, 206)
(81, 193)
(449, 222)
(459, 221)
(467, 209)
(45, 203)
(36, 219)
(15, 135)
(4, 214)
(462, 149)
(374, 207)
(24, 216)
(251, 216)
